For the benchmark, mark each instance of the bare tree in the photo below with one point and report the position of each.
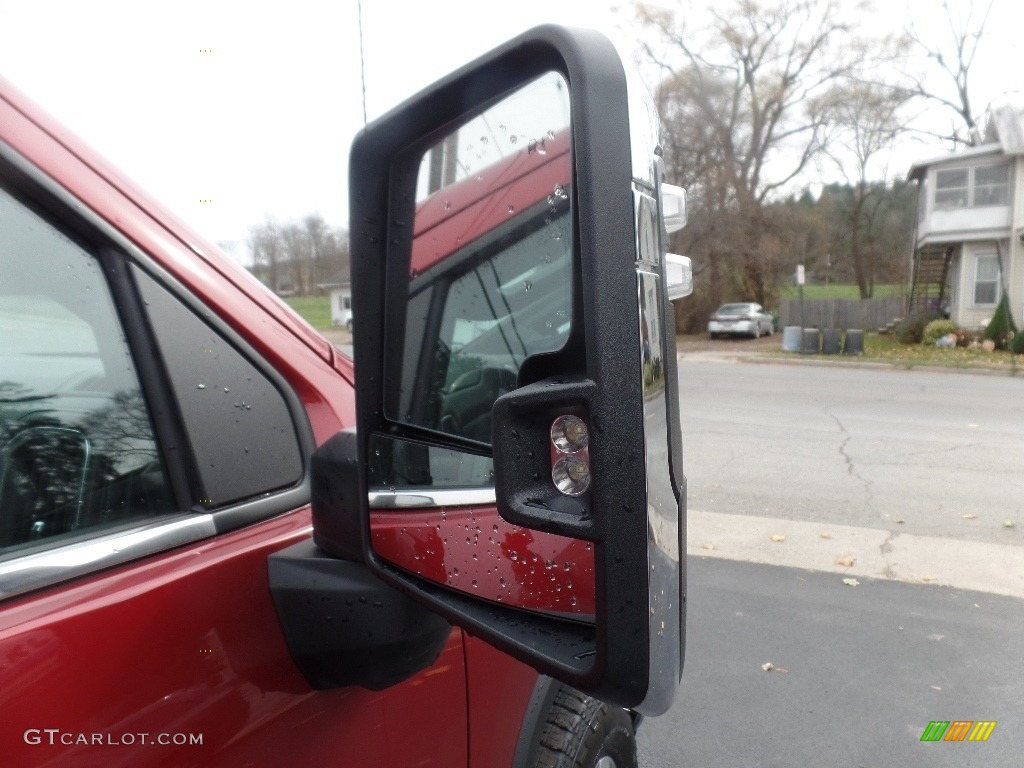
(296, 249)
(317, 233)
(866, 120)
(952, 58)
(744, 117)
(267, 252)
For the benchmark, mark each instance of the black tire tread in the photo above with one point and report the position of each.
(578, 727)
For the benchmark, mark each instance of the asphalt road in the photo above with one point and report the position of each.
(896, 455)
(859, 447)
(866, 669)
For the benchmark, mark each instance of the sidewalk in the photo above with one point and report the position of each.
(858, 552)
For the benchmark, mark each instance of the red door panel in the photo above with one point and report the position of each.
(187, 645)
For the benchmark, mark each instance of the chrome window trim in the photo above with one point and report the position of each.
(427, 498)
(63, 563)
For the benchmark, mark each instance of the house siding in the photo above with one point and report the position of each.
(968, 314)
(1015, 249)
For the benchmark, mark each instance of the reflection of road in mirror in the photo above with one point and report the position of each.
(474, 551)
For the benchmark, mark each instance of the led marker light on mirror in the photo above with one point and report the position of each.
(570, 470)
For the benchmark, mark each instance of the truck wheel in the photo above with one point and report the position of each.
(583, 732)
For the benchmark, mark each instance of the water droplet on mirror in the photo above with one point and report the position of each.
(511, 210)
(550, 134)
(527, 285)
(572, 600)
(560, 192)
(474, 584)
(513, 139)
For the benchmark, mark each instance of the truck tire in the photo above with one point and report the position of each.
(584, 732)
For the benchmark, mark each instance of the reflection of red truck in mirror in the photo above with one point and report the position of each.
(463, 228)
(146, 583)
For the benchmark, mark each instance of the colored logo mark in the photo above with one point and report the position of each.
(958, 730)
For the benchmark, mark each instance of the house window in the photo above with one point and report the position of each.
(951, 188)
(972, 187)
(986, 279)
(992, 185)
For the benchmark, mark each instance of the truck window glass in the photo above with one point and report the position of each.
(77, 448)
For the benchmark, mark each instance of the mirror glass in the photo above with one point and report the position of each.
(490, 268)
(489, 285)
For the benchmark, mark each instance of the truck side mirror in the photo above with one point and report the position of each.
(518, 453)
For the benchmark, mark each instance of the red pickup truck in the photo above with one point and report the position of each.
(219, 545)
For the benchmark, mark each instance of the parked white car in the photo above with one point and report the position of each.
(743, 319)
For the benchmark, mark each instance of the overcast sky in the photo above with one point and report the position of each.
(253, 104)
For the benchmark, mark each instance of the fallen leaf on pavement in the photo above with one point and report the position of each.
(778, 537)
(936, 688)
(969, 516)
(825, 535)
(851, 582)
(847, 560)
(1009, 524)
(899, 520)
(927, 578)
(768, 666)
(708, 546)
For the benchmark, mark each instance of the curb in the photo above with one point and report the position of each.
(839, 362)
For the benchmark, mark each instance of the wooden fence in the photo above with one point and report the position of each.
(867, 314)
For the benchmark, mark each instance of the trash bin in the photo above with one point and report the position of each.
(791, 338)
(831, 339)
(854, 342)
(811, 341)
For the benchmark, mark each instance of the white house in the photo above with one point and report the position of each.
(341, 305)
(969, 241)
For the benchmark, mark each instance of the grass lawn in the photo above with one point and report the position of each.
(886, 349)
(836, 291)
(316, 310)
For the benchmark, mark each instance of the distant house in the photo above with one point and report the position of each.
(341, 299)
(969, 242)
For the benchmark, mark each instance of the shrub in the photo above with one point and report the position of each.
(910, 330)
(964, 337)
(936, 329)
(1001, 329)
(1017, 344)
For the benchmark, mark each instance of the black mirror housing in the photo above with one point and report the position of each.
(615, 372)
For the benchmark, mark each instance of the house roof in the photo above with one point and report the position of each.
(920, 168)
(337, 280)
(1009, 128)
